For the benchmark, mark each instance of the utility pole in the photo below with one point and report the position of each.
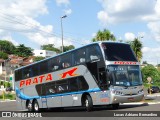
(62, 29)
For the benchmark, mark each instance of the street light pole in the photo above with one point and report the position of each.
(62, 29)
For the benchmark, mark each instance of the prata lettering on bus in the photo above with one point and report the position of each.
(69, 73)
(36, 80)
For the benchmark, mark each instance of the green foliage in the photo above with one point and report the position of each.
(66, 48)
(8, 96)
(150, 71)
(8, 85)
(50, 47)
(7, 47)
(1, 83)
(38, 58)
(144, 62)
(3, 55)
(104, 35)
(137, 48)
(23, 51)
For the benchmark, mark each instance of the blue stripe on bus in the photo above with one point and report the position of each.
(25, 97)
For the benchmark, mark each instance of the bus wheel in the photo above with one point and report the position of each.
(35, 106)
(88, 103)
(29, 106)
(115, 106)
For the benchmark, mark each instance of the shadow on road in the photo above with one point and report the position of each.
(96, 108)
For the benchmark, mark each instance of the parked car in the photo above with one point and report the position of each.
(9, 89)
(154, 89)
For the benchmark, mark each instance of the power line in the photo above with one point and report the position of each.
(11, 20)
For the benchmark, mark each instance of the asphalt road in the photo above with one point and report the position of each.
(98, 113)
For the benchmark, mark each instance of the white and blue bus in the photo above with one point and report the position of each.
(102, 73)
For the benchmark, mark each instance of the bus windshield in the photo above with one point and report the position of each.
(118, 52)
(124, 75)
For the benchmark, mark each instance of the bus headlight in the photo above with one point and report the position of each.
(140, 91)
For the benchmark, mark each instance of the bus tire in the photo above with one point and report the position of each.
(35, 106)
(88, 103)
(115, 106)
(29, 106)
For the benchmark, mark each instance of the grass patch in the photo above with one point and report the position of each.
(149, 101)
(8, 96)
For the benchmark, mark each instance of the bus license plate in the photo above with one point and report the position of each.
(131, 99)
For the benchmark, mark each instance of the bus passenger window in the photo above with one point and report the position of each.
(79, 56)
(82, 83)
(62, 88)
(52, 90)
(93, 53)
(55, 67)
(82, 60)
(65, 65)
(66, 60)
(27, 72)
(73, 86)
(93, 57)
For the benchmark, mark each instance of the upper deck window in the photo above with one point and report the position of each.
(118, 52)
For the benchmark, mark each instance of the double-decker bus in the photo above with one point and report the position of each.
(102, 73)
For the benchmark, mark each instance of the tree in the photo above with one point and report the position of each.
(158, 65)
(3, 55)
(104, 35)
(7, 46)
(50, 47)
(67, 48)
(144, 62)
(137, 48)
(38, 58)
(150, 71)
(23, 51)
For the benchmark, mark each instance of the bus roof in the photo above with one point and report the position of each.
(98, 42)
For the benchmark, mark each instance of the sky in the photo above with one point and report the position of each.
(38, 22)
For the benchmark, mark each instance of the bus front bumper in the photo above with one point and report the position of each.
(126, 98)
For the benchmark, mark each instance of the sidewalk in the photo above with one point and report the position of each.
(150, 99)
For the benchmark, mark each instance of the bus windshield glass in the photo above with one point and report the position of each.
(118, 52)
(124, 75)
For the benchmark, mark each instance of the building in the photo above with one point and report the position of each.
(44, 53)
(1, 64)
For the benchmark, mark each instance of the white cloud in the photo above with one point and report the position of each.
(115, 11)
(155, 29)
(41, 40)
(67, 11)
(129, 36)
(151, 55)
(20, 16)
(103, 17)
(62, 2)
(5, 35)
(31, 8)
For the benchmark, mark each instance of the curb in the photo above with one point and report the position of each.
(7, 100)
(141, 103)
(153, 95)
